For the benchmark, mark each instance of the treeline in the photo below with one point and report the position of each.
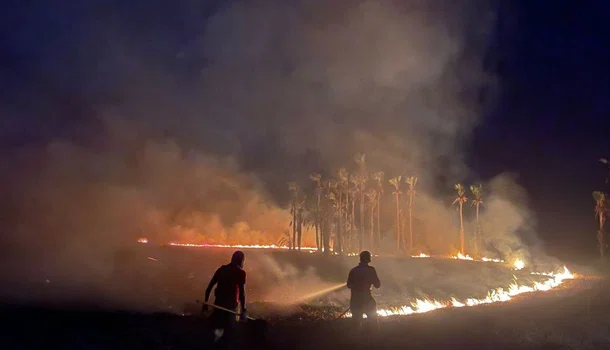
(344, 210)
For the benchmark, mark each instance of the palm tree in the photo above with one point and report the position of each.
(294, 191)
(360, 159)
(411, 181)
(371, 195)
(317, 178)
(601, 212)
(461, 199)
(395, 181)
(477, 192)
(378, 176)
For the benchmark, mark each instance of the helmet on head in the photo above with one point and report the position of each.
(365, 257)
(238, 258)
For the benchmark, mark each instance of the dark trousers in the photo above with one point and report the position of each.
(225, 322)
(364, 306)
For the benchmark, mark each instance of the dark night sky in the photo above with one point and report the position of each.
(550, 124)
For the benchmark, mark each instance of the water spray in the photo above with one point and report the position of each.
(320, 293)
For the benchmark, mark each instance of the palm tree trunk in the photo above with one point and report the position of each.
(372, 238)
(461, 231)
(346, 236)
(361, 228)
(317, 224)
(353, 221)
(294, 224)
(299, 228)
(322, 231)
(378, 221)
(477, 238)
(397, 224)
(317, 238)
(339, 238)
(326, 236)
(327, 222)
(600, 236)
(410, 222)
(403, 232)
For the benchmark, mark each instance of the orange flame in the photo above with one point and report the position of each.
(462, 257)
(238, 246)
(494, 296)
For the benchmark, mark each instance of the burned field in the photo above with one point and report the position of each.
(149, 301)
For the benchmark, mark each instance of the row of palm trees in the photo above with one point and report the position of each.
(332, 212)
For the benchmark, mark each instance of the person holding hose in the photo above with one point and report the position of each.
(359, 281)
(230, 281)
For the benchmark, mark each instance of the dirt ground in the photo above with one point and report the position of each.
(575, 316)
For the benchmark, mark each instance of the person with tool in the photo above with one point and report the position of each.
(359, 281)
(230, 281)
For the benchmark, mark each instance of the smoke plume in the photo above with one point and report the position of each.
(193, 123)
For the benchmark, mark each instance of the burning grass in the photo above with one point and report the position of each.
(494, 296)
(413, 285)
(237, 246)
(409, 285)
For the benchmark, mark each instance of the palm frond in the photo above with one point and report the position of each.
(411, 181)
(315, 177)
(293, 187)
(395, 181)
(360, 159)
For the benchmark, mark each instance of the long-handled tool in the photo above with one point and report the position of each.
(225, 309)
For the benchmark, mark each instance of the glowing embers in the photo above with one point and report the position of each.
(143, 240)
(494, 296)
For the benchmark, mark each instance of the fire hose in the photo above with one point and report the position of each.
(344, 312)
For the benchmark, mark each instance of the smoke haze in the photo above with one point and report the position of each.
(188, 128)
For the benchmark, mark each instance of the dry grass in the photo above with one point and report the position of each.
(573, 316)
